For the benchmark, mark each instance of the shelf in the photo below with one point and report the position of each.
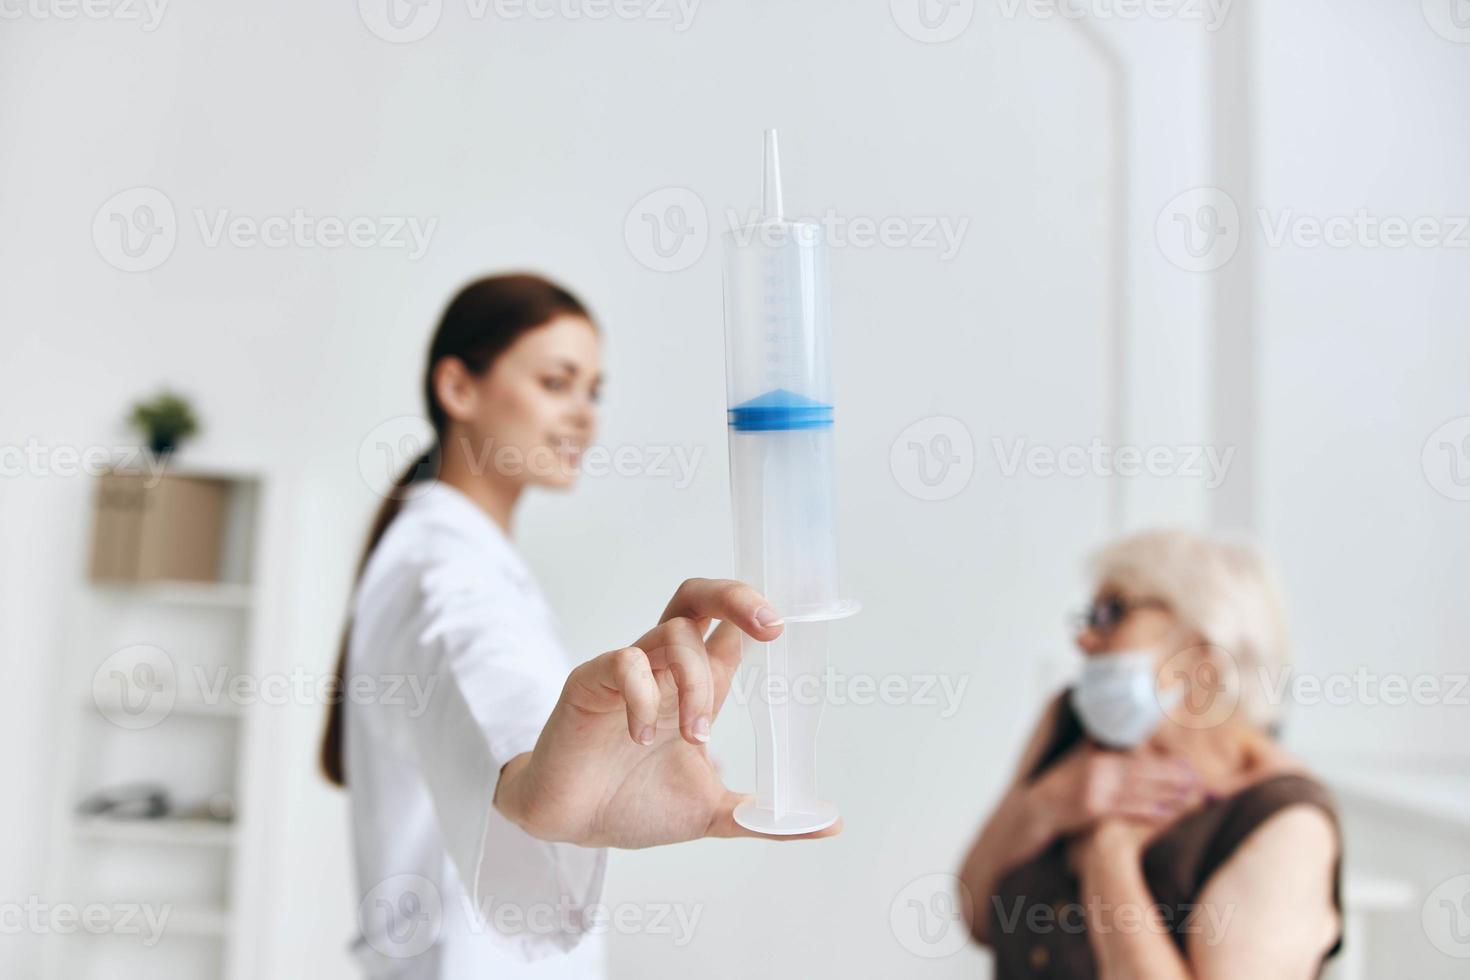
(218, 595)
(183, 923)
(183, 707)
(200, 833)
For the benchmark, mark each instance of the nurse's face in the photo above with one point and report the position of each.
(535, 411)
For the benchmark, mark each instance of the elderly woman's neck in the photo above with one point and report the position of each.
(1222, 755)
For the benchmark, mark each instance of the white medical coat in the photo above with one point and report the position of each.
(454, 665)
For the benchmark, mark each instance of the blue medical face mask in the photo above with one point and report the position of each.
(1118, 700)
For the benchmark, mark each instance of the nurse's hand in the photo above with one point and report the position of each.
(622, 762)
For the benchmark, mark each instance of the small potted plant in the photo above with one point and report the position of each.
(166, 420)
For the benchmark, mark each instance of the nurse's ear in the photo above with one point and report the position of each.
(456, 389)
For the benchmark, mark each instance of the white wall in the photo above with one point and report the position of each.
(1361, 354)
(1365, 354)
(529, 142)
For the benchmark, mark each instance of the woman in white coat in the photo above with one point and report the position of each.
(487, 771)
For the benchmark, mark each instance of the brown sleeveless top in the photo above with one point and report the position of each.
(1037, 919)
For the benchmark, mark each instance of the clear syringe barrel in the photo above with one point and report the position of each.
(779, 383)
(777, 340)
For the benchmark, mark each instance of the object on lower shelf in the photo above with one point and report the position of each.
(151, 801)
(136, 801)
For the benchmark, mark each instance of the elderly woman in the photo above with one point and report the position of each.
(1155, 829)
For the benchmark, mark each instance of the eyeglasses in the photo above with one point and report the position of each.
(1106, 612)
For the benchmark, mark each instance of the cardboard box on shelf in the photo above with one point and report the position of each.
(170, 531)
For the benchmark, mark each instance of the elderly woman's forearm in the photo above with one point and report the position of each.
(1140, 948)
(1018, 830)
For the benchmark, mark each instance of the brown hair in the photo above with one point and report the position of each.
(480, 323)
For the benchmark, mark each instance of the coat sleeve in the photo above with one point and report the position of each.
(497, 669)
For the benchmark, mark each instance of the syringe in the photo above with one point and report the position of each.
(779, 383)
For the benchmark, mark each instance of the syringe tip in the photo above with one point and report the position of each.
(771, 181)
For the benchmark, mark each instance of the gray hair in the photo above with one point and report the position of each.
(1221, 589)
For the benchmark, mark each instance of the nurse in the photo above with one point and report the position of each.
(483, 799)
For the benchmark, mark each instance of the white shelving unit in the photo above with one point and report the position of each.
(145, 698)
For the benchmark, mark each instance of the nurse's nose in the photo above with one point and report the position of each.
(583, 415)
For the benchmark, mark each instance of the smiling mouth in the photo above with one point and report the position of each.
(568, 448)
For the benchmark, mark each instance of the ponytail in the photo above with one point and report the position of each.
(484, 319)
(426, 467)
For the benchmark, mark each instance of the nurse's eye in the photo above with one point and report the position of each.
(555, 384)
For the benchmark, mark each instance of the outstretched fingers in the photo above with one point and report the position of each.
(704, 599)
